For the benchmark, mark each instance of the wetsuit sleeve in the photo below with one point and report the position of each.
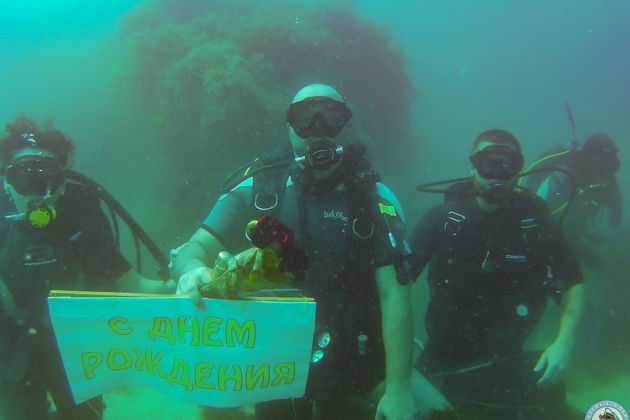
(424, 241)
(390, 248)
(228, 218)
(563, 263)
(6, 207)
(616, 205)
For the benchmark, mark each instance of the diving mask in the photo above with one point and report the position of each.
(318, 116)
(35, 175)
(497, 162)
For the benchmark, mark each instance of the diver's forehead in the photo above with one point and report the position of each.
(318, 89)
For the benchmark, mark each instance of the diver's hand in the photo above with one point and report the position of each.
(397, 406)
(191, 280)
(553, 362)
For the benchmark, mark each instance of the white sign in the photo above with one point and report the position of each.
(231, 354)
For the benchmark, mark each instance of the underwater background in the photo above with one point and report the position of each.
(165, 98)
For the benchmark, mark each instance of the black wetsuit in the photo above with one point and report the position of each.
(343, 255)
(76, 251)
(489, 278)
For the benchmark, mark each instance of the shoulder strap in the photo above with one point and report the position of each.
(269, 187)
(368, 212)
(280, 157)
(269, 174)
(362, 198)
(454, 223)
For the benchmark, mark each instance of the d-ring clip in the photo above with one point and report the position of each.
(261, 208)
(358, 235)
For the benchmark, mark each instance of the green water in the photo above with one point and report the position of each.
(164, 98)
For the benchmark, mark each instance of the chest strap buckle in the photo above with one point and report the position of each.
(453, 225)
(528, 224)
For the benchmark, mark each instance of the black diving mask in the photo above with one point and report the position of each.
(497, 162)
(318, 116)
(35, 175)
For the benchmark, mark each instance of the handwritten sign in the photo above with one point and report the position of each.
(232, 354)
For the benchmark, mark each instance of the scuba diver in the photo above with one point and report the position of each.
(494, 257)
(352, 230)
(53, 235)
(597, 200)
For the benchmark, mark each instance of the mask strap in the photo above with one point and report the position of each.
(29, 138)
